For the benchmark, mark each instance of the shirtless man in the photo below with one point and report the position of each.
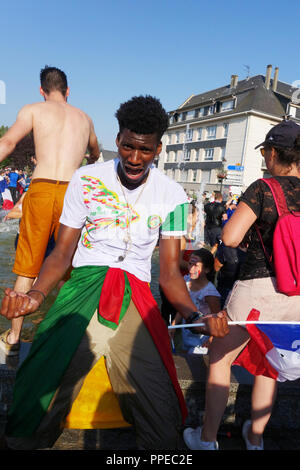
(62, 134)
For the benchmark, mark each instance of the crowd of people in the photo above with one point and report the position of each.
(106, 219)
(13, 183)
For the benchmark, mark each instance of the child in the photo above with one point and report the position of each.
(205, 296)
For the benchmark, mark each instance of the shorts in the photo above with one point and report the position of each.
(213, 235)
(41, 211)
(262, 295)
(138, 377)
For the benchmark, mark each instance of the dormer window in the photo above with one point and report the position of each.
(227, 105)
(190, 114)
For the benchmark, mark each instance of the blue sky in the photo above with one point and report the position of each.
(114, 49)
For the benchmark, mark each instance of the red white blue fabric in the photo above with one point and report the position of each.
(273, 350)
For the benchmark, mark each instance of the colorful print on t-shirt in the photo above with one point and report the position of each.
(110, 211)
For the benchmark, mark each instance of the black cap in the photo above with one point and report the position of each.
(283, 135)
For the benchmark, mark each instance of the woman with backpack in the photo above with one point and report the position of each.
(257, 293)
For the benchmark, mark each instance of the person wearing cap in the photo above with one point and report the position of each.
(255, 289)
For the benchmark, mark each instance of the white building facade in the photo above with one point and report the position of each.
(214, 134)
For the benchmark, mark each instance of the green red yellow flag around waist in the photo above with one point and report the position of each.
(58, 336)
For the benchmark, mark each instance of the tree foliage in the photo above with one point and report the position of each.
(21, 156)
(3, 129)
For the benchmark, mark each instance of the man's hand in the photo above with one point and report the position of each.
(16, 304)
(215, 325)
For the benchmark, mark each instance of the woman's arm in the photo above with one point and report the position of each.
(214, 303)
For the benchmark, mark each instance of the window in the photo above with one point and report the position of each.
(169, 139)
(197, 155)
(201, 112)
(177, 136)
(190, 114)
(187, 155)
(227, 105)
(179, 155)
(189, 135)
(211, 132)
(225, 129)
(292, 110)
(223, 150)
(209, 154)
(184, 176)
(167, 157)
(211, 109)
(170, 174)
(199, 133)
(194, 176)
(205, 176)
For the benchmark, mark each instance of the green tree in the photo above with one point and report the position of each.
(5, 162)
(3, 129)
(21, 156)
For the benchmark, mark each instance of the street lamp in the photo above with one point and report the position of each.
(221, 175)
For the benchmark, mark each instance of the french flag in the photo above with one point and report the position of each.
(7, 204)
(273, 350)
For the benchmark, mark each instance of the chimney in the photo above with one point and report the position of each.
(275, 79)
(268, 76)
(234, 81)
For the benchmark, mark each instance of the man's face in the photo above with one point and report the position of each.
(136, 152)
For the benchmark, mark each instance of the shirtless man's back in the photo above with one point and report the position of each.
(62, 134)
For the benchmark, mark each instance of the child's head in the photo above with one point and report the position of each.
(201, 263)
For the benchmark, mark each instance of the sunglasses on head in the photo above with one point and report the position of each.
(262, 151)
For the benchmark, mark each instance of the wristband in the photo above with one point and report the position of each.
(39, 291)
(194, 316)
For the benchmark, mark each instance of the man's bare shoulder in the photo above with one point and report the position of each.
(27, 108)
(58, 109)
(83, 113)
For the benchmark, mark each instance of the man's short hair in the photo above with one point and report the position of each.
(143, 115)
(53, 79)
(218, 195)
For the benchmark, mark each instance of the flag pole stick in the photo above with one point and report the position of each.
(246, 322)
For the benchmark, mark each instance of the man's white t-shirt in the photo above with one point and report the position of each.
(95, 201)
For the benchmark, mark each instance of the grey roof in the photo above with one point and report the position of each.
(251, 94)
(108, 155)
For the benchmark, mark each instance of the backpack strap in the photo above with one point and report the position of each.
(278, 195)
(281, 207)
(267, 255)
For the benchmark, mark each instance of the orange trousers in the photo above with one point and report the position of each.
(41, 210)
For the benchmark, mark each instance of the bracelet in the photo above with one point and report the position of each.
(39, 291)
(194, 316)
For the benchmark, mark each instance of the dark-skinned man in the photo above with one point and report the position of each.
(113, 212)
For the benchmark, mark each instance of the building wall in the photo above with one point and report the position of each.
(244, 133)
(234, 149)
(258, 127)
